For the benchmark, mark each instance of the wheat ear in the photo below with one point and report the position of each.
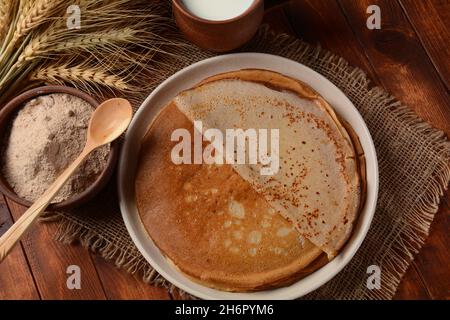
(31, 15)
(78, 75)
(47, 44)
(5, 16)
(34, 13)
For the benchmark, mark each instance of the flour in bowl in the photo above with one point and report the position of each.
(44, 138)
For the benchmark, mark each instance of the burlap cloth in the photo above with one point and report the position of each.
(414, 161)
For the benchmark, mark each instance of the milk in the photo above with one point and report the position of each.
(217, 10)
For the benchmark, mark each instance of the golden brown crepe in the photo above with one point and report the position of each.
(232, 229)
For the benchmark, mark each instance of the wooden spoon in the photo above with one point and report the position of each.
(107, 123)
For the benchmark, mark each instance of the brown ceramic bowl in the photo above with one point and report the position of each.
(219, 36)
(10, 109)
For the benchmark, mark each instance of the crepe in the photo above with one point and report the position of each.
(317, 186)
(210, 223)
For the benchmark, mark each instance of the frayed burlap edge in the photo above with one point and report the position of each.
(410, 236)
(415, 229)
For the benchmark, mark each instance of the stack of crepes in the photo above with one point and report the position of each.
(229, 226)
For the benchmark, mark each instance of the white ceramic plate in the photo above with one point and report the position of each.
(186, 79)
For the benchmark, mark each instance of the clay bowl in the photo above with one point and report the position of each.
(219, 36)
(11, 108)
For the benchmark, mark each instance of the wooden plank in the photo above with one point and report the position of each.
(405, 70)
(401, 62)
(434, 259)
(16, 280)
(270, 3)
(118, 284)
(49, 259)
(410, 288)
(431, 21)
(421, 269)
(277, 20)
(178, 295)
(321, 22)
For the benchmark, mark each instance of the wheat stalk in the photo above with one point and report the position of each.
(78, 75)
(9, 8)
(30, 15)
(46, 44)
(107, 42)
(34, 14)
(121, 47)
(5, 16)
(24, 5)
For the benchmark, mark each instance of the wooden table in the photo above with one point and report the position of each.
(409, 57)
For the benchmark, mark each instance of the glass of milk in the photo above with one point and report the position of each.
(218, 25)
(217, 10)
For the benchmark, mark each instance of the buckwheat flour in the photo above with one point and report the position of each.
(46, 135)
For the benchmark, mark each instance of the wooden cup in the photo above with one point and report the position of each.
(219, 36)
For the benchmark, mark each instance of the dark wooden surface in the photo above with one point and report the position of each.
(409, 57)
